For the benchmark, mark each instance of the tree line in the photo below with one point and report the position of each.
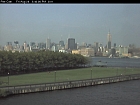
(28, 62)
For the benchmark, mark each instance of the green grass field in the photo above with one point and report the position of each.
(67, 75)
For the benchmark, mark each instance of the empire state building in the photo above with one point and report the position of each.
(109, 40)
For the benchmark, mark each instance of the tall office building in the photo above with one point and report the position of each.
(41, 45)
(8, 46)
(9, 43)
(114, 45)
(16, 46)
(96, 46)
(71, 43)
(25, 45)
(48, 43)
(32, 44)
(109, 40)
(61, 43)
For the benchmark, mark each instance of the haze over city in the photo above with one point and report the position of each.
(85, 22)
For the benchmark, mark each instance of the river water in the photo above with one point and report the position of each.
(118, 62)
(122, 93)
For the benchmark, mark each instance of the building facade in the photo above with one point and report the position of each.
(123, 51)
(48, 43)
(109, 40)
(71, 44)
(87, 52)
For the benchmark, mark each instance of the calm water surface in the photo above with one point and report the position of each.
(118, 62)
(122, 93)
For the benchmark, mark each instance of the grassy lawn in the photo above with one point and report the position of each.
(66, 75)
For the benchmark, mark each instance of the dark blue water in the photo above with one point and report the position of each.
(118, 62)
(122, 93)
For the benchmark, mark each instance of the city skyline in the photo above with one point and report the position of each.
(85, 22)
(108, 43)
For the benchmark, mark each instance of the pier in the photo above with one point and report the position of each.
(22, 89)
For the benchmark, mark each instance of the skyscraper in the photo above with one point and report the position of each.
(96, 46)
(61, 43)
(41, 45)
(71, 43)
(25, 45)
(109, 40)
(48, 43)
(9, 43)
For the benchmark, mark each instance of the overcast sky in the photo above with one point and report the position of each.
(85, 22)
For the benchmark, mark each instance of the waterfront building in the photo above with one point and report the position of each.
(62, 50)
(123, 51)
(113, 52)
(87, 52)
(76, 51)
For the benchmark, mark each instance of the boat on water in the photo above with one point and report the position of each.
(101, 64)
(135, 57)
(110, 56)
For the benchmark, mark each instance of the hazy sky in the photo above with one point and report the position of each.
(85, 22)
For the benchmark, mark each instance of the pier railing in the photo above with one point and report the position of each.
(67, 84)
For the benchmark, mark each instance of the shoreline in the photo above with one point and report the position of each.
(33, 88)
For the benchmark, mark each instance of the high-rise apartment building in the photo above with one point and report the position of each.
(48, 43)
(109, 40)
